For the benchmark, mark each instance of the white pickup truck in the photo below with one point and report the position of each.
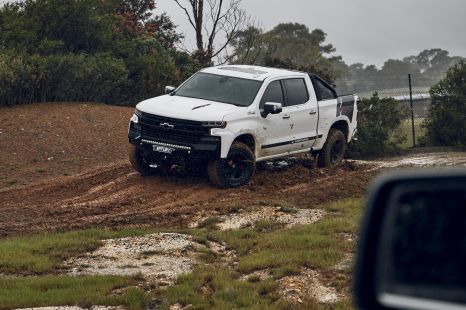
(231, 117)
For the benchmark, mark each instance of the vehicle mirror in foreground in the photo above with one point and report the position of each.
(169, 89)
(412, 249)
(272, 108)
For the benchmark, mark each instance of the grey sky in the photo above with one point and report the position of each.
(367, 31)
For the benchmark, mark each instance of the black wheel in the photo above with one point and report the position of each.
(334, 149)
(137, 161)
(235, 170)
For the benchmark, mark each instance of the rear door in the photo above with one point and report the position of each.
(301, 106)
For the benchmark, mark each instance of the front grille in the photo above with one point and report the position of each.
(171, 130)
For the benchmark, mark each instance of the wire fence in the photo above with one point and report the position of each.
(417, 100)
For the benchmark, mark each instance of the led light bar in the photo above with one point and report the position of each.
(175, 146)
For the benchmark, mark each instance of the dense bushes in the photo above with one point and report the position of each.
(109, 51)
(446, 124)
(378, 121)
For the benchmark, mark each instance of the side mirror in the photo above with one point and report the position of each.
(169, 89)
(412, 249)
(272, 108)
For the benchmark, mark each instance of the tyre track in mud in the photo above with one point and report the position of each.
(115, 196)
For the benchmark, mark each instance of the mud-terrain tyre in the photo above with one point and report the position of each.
(334, 149)
(235, 170)
(137, 161)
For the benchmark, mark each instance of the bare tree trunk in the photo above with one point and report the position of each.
(211, 18)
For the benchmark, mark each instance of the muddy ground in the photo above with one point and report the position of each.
(63, 166)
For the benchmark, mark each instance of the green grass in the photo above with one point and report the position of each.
(213, 286)
(283, 251)
(210, 222)
(66, 290)
(219, 288)
(43, 253)
(319, 245)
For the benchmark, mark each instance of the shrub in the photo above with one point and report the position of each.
(377, 123)
(446, 123)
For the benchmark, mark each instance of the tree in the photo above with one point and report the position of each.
(446, 123)
(114, 51)
(290, 45)
(378, 120)
(210, 20)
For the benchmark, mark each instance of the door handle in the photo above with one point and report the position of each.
(313, 112)
(286, 116)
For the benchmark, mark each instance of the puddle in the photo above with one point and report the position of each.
(159, 258)
(286, 217)
(450, 159)
(295, 289)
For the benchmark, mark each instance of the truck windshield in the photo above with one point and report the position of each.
(220, 88)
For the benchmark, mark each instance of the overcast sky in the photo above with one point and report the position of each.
(367, 31)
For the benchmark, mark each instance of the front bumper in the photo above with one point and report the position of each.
(206, 147)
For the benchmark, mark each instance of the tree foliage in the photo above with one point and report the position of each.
(378, 120)
(426, 69)
(114, 51)
(290, 45)
(446, 123)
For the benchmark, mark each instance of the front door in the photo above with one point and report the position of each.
(276, 129)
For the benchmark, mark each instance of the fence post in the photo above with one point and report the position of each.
(412, 109)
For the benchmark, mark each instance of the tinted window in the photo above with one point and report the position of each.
(273, 93)
(325, 92)
(296, 91)
(221, 88)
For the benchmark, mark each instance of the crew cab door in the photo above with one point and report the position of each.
(275, 129)
(301, 105)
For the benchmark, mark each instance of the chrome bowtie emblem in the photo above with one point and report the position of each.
(167, 125)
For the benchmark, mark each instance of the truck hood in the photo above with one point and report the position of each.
(187, 108)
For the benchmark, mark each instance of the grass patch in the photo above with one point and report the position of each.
(66, 290)
(210, 222)
(282, 251)
(43, 253)
(319, 245)
(219, 288)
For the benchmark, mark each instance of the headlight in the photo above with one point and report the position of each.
(134, 118)
(215, 124)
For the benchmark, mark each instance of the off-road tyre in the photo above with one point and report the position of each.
(234, 171)
(137, 161)
(334, 149)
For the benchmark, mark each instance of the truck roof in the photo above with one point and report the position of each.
(250, 72)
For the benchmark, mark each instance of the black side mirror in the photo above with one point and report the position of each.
(169, 89)
(272, 108)
(412, 249)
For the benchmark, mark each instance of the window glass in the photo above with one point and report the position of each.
(226, 89)
(296, 91)
(325, 92)
(273, 93)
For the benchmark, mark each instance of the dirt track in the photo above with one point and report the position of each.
(65, 168)
(115, 196)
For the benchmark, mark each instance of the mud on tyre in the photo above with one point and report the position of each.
(334, 149)
(235, 170)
